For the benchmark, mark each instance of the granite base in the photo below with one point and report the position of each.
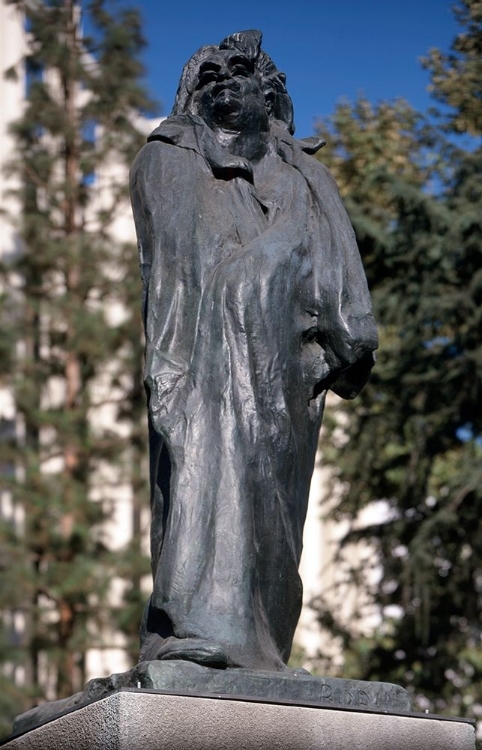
(189, 678)
(141, 720)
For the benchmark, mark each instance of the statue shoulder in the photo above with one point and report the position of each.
(149, 161)
(319, 176)
(322, 172)
(301, 153)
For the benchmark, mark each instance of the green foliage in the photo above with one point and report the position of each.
(456, 76)
(415, 432)
(66, 358)
(380, 154)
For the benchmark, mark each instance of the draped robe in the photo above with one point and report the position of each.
(255, 303)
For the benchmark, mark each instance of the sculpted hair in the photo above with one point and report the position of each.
(278, 102)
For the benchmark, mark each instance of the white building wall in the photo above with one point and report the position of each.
(12, 93)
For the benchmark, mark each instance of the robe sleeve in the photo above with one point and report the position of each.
(346, 327)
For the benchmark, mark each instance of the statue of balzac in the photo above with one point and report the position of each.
(255, 304)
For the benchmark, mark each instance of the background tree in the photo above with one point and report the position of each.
(71, 357)
(415, 432)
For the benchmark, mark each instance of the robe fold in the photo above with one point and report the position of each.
(255, 303)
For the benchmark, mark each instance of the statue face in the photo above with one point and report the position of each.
(229, 93)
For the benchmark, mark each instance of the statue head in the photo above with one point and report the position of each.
(232, 82)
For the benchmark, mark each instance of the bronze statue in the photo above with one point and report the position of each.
(255, 304)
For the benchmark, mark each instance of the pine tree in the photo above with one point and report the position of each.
(456, 75)
(415, 432)
(70, 358)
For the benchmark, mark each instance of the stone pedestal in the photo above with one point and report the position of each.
(150, 720)
(177, 677)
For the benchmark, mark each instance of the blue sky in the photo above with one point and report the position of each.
(328, 50)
